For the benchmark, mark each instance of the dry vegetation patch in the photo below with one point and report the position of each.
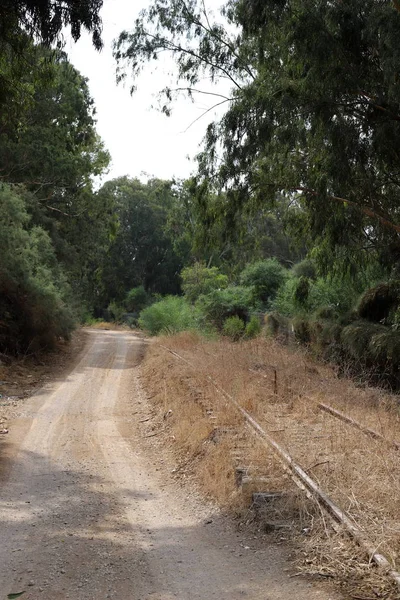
(281, 388)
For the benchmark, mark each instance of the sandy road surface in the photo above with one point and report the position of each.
(86, 514)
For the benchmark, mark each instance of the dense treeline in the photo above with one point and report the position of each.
(294, 206)
(312, 126)
(313, 115)
(52, 226)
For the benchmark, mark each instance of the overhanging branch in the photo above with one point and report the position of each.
(364, 209)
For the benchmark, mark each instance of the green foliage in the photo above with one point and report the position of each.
(50, 145)
(49, 153)
(45, 19)
(265, 278)
(219, 305)
(276, 324)
(136, 299)
(169, 315)
(253, 328)
(233, 328)
(302, 330)
(115, 311)
(305, 268)
(34, 294)
(377, 303)
(141, 252)
(199, 280)
(303, 296)
(312, 116)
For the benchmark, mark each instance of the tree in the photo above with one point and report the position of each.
(264, 277)
(25, 25)
(54, 150)
(314, 114)
(142, 252)
(44, 20)
(55, 229)
(34, 293)
(199, 279)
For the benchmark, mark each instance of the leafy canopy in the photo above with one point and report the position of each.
(314, 113)
(44, 20)
(199, 279)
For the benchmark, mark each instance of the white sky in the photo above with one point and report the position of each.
(139, 138)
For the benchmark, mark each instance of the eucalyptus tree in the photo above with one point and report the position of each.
(142, 251)
(313, 115)
(44, 20)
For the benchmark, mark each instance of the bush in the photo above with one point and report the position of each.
(136, 299)
(356, 337)
(115, 311)
(219, 305)
(234, 328)
(377, 303)
(201, 280)
(302, 330)
(264, 277)
(296, 297)
(328, 313)
(305, 268)
(169, 315)
(253, 327)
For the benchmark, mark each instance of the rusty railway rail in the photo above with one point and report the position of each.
(303, 480)
(346, 419)
(343, 417)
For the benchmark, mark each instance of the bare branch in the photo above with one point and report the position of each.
(178, 48)
(189, 89)
(204, 113)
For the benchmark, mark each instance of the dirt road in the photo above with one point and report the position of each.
(87, 512)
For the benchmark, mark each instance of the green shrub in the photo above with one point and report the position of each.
(169, 315)
(217, 306)
(136, 299)
(115, 311)
(264, 277)
(233, 328)
(377, 303)
(296, 297)
(302, 330)
(305, 268)
(356, 337)
(253, 327)
(201, 280)
(328, 313)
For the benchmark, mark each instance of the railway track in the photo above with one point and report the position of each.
(300, 475)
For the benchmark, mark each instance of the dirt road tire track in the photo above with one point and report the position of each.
(85, 514)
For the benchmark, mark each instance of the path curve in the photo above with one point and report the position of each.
(85, 514)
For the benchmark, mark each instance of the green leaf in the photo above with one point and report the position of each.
(16, 595)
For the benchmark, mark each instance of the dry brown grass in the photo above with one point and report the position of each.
(281, 388)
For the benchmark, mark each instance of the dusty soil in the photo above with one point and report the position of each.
(89, 509)
(21, 378)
